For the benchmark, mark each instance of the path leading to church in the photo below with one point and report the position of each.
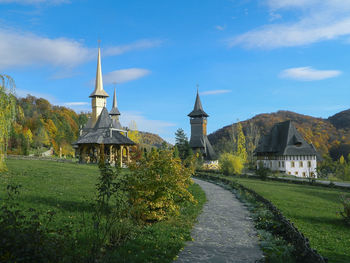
(224, 232)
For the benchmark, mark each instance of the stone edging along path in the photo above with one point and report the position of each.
(224, 232)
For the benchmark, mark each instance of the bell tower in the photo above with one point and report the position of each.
(199, 141)
(99, 95)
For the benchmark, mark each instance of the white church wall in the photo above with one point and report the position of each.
(299, 166)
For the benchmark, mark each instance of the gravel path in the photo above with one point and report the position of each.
(224, 232)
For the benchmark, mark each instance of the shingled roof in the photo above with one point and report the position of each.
(104, 132)
(284, 139)
(198, 109)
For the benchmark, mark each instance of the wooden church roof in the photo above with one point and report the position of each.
(198, 109)
(104, 132)
(284, 139)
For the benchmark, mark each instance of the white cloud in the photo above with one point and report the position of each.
(144, 124)
(125, 75)
(308, 74)
(23, 49)
(75, 103)
(214, 92)
(317, 20)
(138, 45)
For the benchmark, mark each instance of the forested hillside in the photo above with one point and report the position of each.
(330, 135)
(40, 126)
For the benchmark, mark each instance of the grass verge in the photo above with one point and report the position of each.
(69, 188)
(313, 210)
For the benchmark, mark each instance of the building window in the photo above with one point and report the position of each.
(309, 164)
(282, 163)
(279, 164)
(296, 173)
(301, 164)
(289, 173)
(304, 174)
(293, 164)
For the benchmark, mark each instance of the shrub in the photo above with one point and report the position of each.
(158, 184)
(345, 201)
(111, 220)
(230, 164)
(262, 171)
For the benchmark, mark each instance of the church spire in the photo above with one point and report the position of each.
(114, 110)
(198, 109)
(99, 91)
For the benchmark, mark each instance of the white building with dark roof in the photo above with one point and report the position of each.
(286, 151)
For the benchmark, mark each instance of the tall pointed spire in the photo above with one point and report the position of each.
(99, 91)
(198, 109)
(114, 110)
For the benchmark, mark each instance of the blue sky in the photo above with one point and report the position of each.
(248, 57)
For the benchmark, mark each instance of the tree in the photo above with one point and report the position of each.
(181, 142)
(134, 134)
(252, 140)
(7, 114)
(241, 144)
(230, 164)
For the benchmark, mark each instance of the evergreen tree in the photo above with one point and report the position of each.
(181, 142)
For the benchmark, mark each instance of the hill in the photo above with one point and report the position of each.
(327, 135)
(39, 125)
(152, 140)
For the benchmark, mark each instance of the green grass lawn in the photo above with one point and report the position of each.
(69, 188)
(66, 188)
(313, 210)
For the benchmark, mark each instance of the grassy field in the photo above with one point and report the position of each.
(69, 188)
(313, 210)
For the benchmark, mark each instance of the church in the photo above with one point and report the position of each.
(286, 151)
(103, 131)
(199, 141)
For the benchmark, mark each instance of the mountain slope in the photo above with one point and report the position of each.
(325, 134)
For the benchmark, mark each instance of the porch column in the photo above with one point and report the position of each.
(82, 156)
(121, 155)
(110, 154)
(128, 153)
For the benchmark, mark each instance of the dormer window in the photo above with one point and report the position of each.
(297, 144)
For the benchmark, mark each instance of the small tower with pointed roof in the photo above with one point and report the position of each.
(115, 113)
(199, 141)
(99, 95)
